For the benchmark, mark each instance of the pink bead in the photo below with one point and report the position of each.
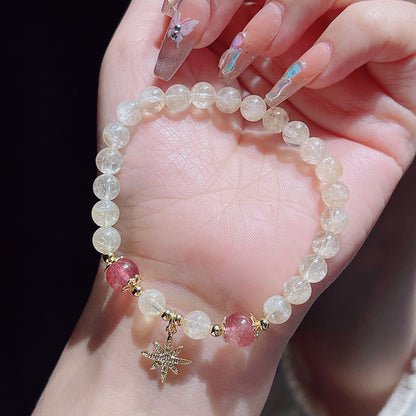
(238, 330)
(120, 272)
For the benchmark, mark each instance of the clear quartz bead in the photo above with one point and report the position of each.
(116, 135)
(228, 100)
(253, 108)
(326, 245)
(329, 170)
(152, 302)
(196, 325)
(274, 119)
(313, 150)
(109, 160)
(106, 187)
(334, 220)
(203, 95)
(313, 268)
(106, 240)
(295, 133)
(129, 112)
(152, 99)
(277, 309)
(178, 98)
(297, 290)
(335, 194)
(105, 213)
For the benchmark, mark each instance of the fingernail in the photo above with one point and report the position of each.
(300, 73)
(169, 7)
(176, 46)
(235, 59)
(255, 37)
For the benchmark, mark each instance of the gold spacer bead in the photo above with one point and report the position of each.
(216, 330)
(137, 291)
(109, 258)
(178, 318)
(265, 324)
(166, 315)
(133, 286)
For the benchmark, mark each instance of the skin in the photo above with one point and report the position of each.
(217, 213)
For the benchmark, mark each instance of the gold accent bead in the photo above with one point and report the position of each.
(178, 319)
(265, 324)
(216, 330)
(166, 315)
(133, 286)
(137, 291)
(172, 316)
(109, 258)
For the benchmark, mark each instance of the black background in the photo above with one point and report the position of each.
(53, 52)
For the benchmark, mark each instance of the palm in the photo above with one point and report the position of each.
(214, 205)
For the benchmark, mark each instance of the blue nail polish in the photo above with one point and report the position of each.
(232, 59)
(293, 70)
(279, 91)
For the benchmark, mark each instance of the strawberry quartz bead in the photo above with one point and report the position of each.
(120, 272)
(238, 330)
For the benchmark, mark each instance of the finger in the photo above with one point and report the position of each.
(384, 37)
(221, 13)
(385, 40)
(194, 24)
(186, 27)
(274, 29)
(255, 37)
(383, 33)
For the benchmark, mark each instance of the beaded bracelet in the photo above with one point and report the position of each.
(123, 274)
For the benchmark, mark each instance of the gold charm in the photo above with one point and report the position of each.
(167, 357)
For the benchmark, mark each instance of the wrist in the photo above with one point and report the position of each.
(102, 371)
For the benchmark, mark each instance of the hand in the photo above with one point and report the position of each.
(217, 213)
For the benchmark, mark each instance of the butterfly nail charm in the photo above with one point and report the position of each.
(177, 29)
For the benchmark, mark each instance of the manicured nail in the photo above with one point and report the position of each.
(256, 36)
(176, 46)
(169, 7)
(300, 73)
(235, 59)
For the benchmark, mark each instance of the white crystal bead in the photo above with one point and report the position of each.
(277, 309)
(274, 119)
(178, 98)
(129, 112)
(313, 268)
(326, 245)
(334, 220)
(152, 302)
(253, 108)
(106, 240)
(329, 170)
(203, 95)
(106, 187)
(116, 135)
(152, 99)
(297, 290)
(313, 150)
(295, 133)
(335, 194)
(196, 325)
(105, 213)
(228, 100)
(109, 160)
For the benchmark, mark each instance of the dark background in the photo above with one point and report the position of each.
(54, 51)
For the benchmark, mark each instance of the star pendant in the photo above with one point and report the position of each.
(166, 358)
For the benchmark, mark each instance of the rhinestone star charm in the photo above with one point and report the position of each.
(166, 358)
